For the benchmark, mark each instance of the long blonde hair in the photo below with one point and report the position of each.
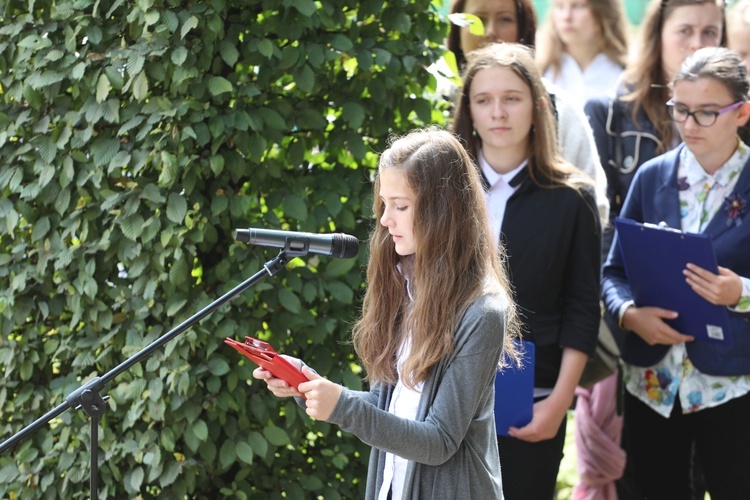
(456, 261)
(609, 17)
(645, 77)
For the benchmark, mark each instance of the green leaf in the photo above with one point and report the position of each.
(218, 85)
(40, 229)
(140, 86)
(102, 88)
(135, 64)
(151, 18)
(171, 471)
(179, 55)
(353, 113)
(305, 79)
(339, 267)
(305, 7)
(200, 429)
(295, 207)
(341, 43)
(136, 478)
(340, 292)
(310, 483)
(272, 118)
(174, 305)
(289, 301)
(132, 226)
(259, 443)
(229, 53)
(265, 47)
(276, 435)
(191, 23)
(78, 70)
(227, 453)
(218, 366)
(245, 452)
(176, 208)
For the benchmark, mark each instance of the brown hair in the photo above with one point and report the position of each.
(525, 19)
(608, 15)
(646, 78)
(456, 261)
(549, 166)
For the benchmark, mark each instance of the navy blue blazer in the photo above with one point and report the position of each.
(654, 197)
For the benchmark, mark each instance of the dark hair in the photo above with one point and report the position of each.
(526, 24)
(719, 63)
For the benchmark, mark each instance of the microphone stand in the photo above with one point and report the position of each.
(88, 396)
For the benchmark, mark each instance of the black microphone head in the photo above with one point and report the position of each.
(345, 246)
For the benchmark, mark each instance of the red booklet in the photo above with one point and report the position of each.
(262, 354)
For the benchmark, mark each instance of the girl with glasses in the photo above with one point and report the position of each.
(633, 125)
(681, 392)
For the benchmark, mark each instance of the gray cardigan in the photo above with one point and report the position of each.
(452, 444)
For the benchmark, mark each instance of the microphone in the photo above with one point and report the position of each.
(339, 245)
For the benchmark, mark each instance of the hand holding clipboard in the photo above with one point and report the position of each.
(654, 258)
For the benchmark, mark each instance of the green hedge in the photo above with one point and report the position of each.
(135, 136)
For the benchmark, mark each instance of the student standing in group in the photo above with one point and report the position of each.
(545, 215)
(633, 126)
(515, 21)
(682, 393)
(436, 318)
(582, 48)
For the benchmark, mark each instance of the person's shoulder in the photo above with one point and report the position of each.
(657, 166)
(580, 192)
(493, 303)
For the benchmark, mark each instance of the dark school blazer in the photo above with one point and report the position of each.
(552, 236)
(654, 197)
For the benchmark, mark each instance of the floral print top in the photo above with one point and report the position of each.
(702, 196)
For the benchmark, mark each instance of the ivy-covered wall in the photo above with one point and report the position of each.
(135, 136)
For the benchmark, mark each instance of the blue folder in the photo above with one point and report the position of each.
(514, 392)
(654, 258)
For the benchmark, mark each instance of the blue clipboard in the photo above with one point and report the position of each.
(514, 392)
(654, 258)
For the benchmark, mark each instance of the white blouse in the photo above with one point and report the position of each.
(599, 78)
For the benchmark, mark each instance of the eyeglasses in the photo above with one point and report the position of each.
(703, 117)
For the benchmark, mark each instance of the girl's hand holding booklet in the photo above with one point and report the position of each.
(262, 354)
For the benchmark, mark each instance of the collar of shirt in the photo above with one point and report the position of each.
(693, 172)
(493, 177)
(405, 267)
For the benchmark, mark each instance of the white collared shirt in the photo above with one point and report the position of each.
(498, 194)
(599, 78)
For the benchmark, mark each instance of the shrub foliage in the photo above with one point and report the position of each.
(135, 136)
